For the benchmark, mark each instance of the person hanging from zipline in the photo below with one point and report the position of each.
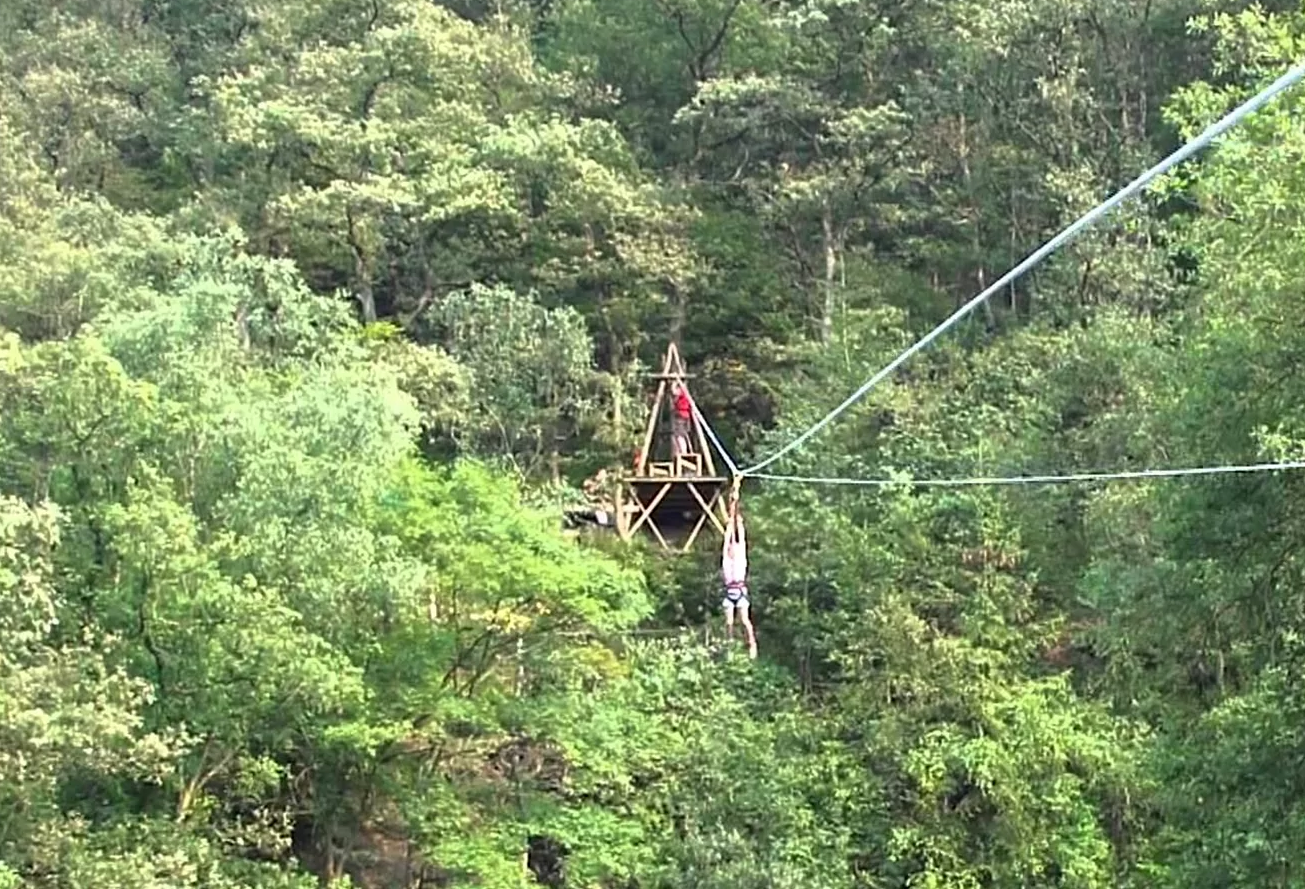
(680, 419)
(734, 570)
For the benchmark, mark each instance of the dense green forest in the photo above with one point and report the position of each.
(315, 315)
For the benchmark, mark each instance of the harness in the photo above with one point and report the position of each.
(736, 590)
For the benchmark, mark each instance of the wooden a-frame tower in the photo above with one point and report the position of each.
(672, 498)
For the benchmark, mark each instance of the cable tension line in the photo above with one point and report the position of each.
(1087, 220)
(711, 434)
(1036, 479)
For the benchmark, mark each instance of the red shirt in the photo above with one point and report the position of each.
(682, 406)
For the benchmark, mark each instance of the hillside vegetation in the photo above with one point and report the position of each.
(316, 314)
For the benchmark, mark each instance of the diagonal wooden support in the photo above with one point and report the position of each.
(693, 535)
(657, 532)
(648, 510)
(708, 512)
(637, 510)
(645, 515)
(708, 507)
(645, 454)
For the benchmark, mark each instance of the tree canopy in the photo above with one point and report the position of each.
(315, 318)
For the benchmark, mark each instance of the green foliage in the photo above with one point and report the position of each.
(274, 586)
(288, 286)
(531, 369)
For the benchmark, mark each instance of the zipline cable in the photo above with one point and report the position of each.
(1205, 138)
(711, 434)
(1036, 479)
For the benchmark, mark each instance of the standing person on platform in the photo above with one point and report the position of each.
(680, 419)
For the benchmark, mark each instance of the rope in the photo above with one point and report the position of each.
(711, 434)
(1213, 131)
(1037, 479)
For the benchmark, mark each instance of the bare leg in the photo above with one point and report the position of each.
(729, 621)
(747, 628)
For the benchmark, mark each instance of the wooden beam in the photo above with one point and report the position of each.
(673, 355)
(689, 462)
(708, 507)
(652, 523)
(707, 513)
(638, 502)
(646, 452)
(647, 512)
(622, 522)
(699, 479)
(647, 516)
(688, 544)
(629, 528)
(672, 350)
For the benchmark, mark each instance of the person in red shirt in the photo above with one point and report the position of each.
(680, 419)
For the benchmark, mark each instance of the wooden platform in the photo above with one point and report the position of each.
(668, 495)
(673, 510)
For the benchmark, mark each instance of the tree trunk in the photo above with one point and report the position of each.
(618, 410)
(976, 213)
(679, 313)
(519, 682)
(362, 274)
(831, 270)
(982, 280)
(366, 299)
